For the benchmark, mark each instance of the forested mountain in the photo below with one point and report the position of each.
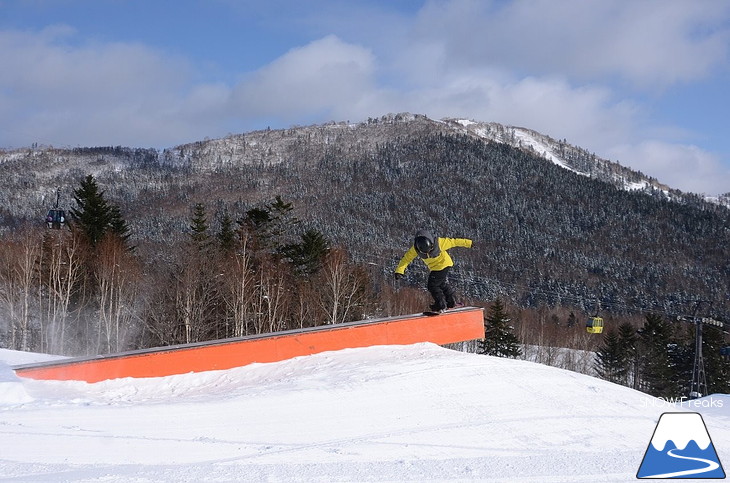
(552, 223)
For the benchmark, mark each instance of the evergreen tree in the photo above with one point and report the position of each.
(499, 340)
(282, 219)
(117, 224)
(308, 255)
(610, 362)
(656, 369)
(271, 226)
(627, 343)
(199, 226)
(94, 216)
(226, 236)
(257, 223)
(257, 218)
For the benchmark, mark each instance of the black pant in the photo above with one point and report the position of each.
(441, 291)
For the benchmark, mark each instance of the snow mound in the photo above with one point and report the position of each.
(16, 358)
(383, 413)
(12, 390)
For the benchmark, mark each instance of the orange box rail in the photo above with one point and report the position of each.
(453, 326)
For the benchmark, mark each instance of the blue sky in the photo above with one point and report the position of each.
(643, 83)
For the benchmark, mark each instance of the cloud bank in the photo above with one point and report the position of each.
(576, 70)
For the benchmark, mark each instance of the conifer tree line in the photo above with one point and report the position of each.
(658, 357)
(655, 357)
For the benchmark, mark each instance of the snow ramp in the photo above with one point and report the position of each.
(456, 325)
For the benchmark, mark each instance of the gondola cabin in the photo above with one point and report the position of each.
(594, 325)
(56, 219)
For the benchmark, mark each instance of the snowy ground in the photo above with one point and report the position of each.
(391, 413)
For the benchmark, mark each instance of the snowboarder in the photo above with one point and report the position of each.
(433, 252)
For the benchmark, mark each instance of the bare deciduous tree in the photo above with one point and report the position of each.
(117, 276)
(269, 303)
(62, 266)
(18, 277)
(342, 288)
(239, 288)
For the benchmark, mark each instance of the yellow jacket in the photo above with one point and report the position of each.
(440, 261)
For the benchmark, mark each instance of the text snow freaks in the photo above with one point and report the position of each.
(681, 402)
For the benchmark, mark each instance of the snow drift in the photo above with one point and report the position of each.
(396, 413)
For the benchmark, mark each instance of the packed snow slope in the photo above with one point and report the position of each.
(387, 413)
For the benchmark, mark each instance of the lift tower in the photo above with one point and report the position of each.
(698, 388)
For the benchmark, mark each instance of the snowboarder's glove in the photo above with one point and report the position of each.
(398, 276)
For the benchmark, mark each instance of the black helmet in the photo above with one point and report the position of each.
(423, 245)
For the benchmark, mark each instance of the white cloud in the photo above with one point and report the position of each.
(587, 115)
(318, 78)
(648, 43)
(55, 92)
(550, 105)
(684, 167)
(562, 68)
(550, 66)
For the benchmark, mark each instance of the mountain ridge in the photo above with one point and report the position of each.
(560, 152)
(576, 159)
(547, 233)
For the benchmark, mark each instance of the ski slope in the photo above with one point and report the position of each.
(386, 413)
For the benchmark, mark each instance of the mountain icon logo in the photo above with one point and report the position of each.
(681, 448)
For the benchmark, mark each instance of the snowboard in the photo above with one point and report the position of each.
(433, 313)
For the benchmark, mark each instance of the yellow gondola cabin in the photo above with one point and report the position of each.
(594, 325)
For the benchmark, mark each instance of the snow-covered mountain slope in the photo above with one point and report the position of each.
(572, 158)
(272, 146)
(389, 413)
(561, 153)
